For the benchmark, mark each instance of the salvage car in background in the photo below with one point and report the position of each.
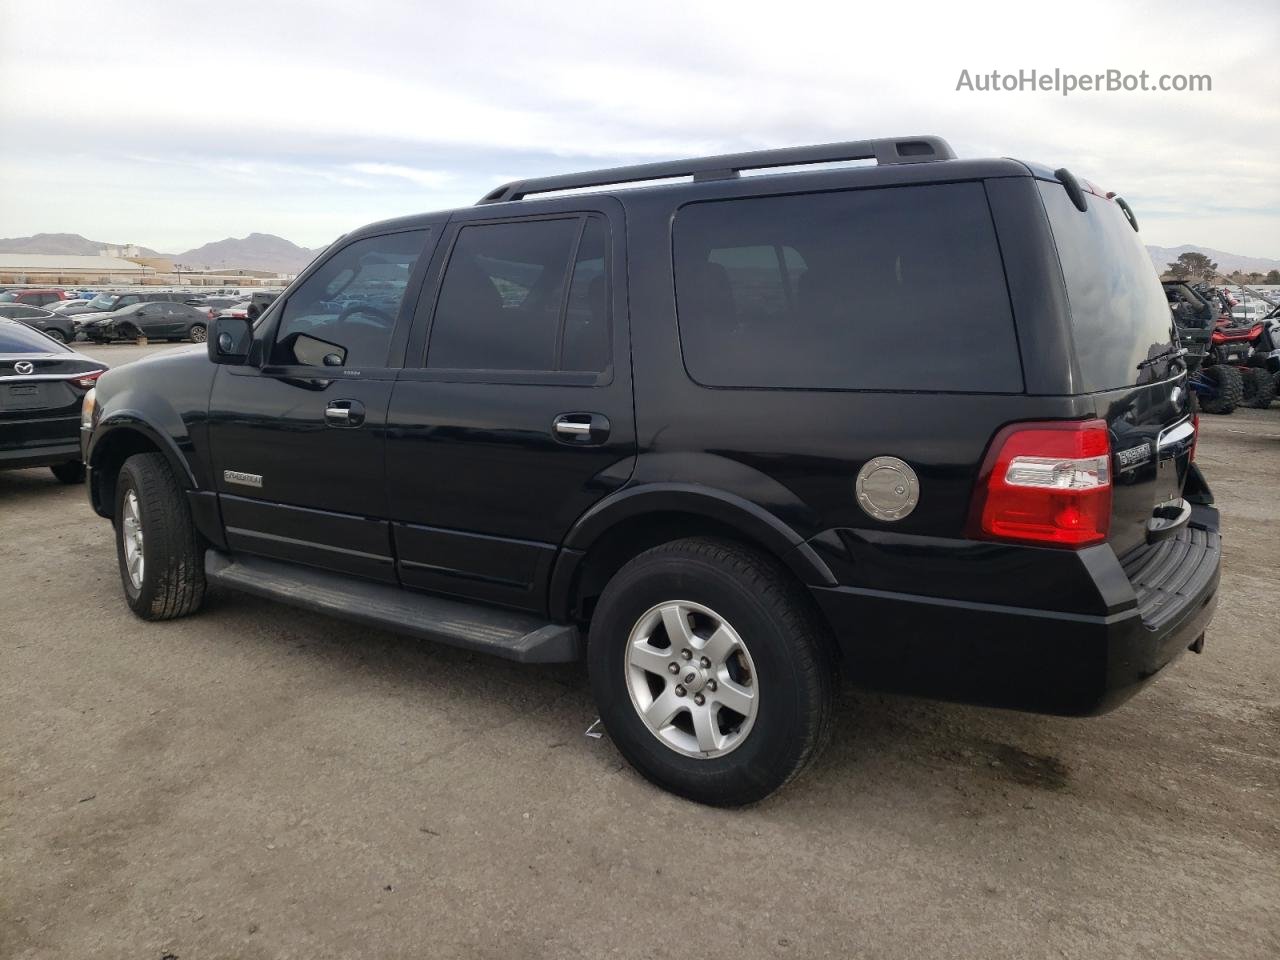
(157, 320)
(59, 327)
(42, 385)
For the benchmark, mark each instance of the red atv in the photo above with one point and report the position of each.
(1236, 346)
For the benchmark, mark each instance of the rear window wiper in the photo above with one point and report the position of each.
(1171, 353)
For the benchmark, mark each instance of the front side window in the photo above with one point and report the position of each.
(346, 310)
(530, 295)
(898, 288)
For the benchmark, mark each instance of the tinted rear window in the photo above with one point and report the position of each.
(18, 338)
(1119, 313)
(896, 288)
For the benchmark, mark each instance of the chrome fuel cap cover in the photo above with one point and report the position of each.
(887, 488)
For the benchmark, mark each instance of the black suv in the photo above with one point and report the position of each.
(923, 421)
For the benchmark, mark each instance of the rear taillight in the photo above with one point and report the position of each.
(1045, 483)
(87, 380)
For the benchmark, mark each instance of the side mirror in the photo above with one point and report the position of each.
(231, 340)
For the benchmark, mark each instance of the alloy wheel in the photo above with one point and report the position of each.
(691, 679)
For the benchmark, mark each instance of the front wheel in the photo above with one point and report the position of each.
(711, 671)
(161, 563)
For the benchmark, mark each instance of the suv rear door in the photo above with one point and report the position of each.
(1125, 349)
(514, 412)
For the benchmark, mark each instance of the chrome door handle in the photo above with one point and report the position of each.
(344, 413)
(581, 428)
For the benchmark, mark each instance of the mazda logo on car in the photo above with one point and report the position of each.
(23, 367)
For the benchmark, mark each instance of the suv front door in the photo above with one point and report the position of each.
(513, 414)
(297, 441)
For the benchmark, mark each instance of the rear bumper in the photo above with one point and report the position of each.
(44, 455)
(1158, 603)
(43, 440)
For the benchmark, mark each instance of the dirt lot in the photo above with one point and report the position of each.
(259, 782)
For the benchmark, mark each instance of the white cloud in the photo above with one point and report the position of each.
(304, 119)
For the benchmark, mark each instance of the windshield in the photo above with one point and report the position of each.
(8, 297)
(1119, 313)
(104, 301)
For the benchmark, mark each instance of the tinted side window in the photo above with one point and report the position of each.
(896, 288)
(585, 343)
(503, 304)
(351, 302)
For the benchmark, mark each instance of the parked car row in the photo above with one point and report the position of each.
(107, 317)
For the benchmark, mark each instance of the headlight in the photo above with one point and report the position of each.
(88, 407)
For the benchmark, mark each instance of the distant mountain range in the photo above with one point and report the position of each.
(265, 251)
(257, 251)
(1227, 262)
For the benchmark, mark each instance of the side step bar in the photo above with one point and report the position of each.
(503, 633)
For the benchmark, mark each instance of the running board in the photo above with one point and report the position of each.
(503, 633)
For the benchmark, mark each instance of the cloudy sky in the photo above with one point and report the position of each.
(169, 124)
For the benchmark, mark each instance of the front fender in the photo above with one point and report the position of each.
(175, 449)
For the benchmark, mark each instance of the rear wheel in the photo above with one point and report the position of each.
(70, 472)
(1259, 388)
(161, 563)
(198, 333)
(1228, 387)
(57, 335)
(711, 671)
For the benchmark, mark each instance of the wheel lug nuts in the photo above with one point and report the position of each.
(673, 667)
(687, 654)
(711, 685)
(680, 690)
(706, 664)
(699, 699)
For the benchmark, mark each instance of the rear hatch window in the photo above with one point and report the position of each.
(1119, 314)
(898, 288)
(1124, 341)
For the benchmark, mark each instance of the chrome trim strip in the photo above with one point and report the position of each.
(35, 377)
(1179, 432)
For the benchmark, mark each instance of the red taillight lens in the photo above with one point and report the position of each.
(1046, 483)
(87, 380)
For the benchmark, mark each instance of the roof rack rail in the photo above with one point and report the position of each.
(728, 166)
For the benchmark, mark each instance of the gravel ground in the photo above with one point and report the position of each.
(258, 782)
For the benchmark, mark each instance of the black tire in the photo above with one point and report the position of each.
(172, 579)
(1259, 388)
(1229, 385)
(788, 645)
(70, 472)
(198, 333)
(56, 334)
